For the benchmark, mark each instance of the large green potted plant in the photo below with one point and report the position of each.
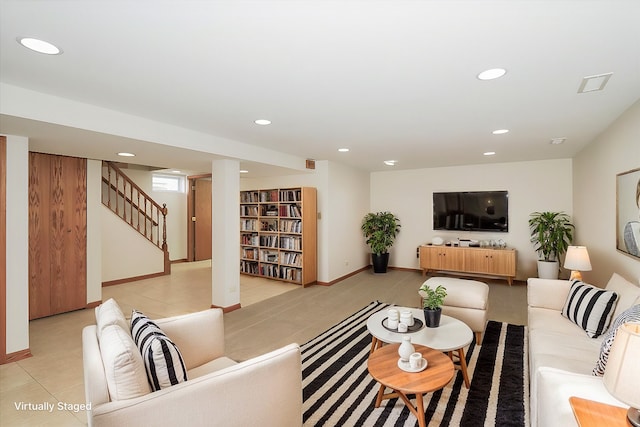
(432, 300)
(380, 230)
(551, 235)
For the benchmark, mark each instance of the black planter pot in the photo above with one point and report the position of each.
(380, 262)
(432, 317)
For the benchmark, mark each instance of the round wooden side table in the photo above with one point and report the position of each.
(383, 367)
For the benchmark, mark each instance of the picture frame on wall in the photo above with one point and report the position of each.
(628, 212)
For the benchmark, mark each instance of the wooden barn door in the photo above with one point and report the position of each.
(57, 234)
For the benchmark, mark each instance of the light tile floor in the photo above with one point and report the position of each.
(273, 314)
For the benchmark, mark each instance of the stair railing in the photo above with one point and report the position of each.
(135, 207)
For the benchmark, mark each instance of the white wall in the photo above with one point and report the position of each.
(177, 212)
(616, 150)
(126, 253)
(17, 307)
(533, 186)
(346, 250)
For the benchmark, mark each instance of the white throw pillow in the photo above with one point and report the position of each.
(628, 293)
(109, 313)
(123, 366)
(589, 307)
(632, 314)
(162, 359)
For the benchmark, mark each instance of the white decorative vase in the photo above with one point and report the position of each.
(406, 349)
(548, 269)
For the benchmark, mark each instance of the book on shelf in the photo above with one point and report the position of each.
(270, 270)
(249, 197)
(269, 241)
(290, 226)
(249, 239)
(290, 211)
(269, 196)
(291, 258)
(269, 225)
(291, 242)
(248, 210)
(248, 225)
(290, 195)
(292, 274)
(250, 267)
(268, 256)
(250, 253)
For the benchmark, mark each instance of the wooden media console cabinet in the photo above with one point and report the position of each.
(476, 261)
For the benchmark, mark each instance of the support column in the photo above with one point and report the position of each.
(225, 229)
(16, 287)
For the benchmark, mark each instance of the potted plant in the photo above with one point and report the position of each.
(432, 299)
(551, 235)
(380, 230)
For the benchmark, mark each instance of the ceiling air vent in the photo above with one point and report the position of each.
(594, 83)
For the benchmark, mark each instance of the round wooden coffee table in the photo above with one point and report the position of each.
(451, 336)
(383, 367)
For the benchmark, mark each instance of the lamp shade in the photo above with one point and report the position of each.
(577, 259)
(622, 374)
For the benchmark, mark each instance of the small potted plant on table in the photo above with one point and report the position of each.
(432, 304)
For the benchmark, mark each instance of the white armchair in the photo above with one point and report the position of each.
(265, 390)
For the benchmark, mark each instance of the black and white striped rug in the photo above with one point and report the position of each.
(338, 391)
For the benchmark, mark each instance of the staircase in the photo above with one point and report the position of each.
(129, 202)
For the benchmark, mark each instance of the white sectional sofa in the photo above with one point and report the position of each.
(561, 355)
(264, 391)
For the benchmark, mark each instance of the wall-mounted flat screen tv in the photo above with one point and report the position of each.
(471, 211)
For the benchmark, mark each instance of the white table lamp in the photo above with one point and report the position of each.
(577, 260)
(622, 374)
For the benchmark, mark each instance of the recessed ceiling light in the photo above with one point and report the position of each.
(176, 171)
(489, 153)
(557, 141)
(263, 122)
(39, 46)
(244, 171)
(491, 74)
(500, 131)
(123, 154)
(343, 150)
(390, 162)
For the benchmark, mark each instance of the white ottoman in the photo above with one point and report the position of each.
(466, 300)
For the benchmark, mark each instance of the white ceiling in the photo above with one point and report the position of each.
(387, 79)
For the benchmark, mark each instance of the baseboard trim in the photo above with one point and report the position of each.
(16, 356)
(227, 309)
(178, 261)
(93, 304)
(131, 279)
(405, 269)
(346, 276)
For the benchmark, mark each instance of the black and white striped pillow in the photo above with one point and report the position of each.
(162, 359)
(630, 315)
(589, 307)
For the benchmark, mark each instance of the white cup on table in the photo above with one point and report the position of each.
(402, 327)
(415, 360)
(392, 323)
(406, 317)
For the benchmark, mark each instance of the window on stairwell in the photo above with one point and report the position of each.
(171, 183)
